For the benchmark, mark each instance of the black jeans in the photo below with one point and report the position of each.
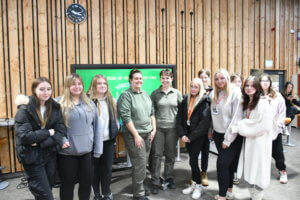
(103, 168)
(227, 158)
(72, 170)
(194, 149)
(41, 178)
(277, 153)
(205, 154)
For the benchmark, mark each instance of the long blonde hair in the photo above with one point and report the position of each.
(93, 94)
(228, 84)
(202, 91)
(66, 100)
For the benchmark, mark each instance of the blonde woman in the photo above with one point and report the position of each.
(107, 110)
(226, 110)
(193, 121)
(81, 118)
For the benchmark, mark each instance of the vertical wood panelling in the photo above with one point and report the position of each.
(231, 36)
(36, 39)
(223, 33)
(215, 52)
(3, 104)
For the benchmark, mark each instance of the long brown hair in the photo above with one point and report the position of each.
(93, 94)
(271, 91)
(246, 103)
(48, 103)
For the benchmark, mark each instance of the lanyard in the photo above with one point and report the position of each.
(220, 99)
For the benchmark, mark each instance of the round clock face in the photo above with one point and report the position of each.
(76, 13)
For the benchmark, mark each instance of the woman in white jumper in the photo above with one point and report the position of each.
(257, 128)
(226, 110)
(279, 111)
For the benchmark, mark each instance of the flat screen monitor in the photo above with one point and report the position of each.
(117, 75)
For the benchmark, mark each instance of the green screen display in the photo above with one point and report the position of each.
(118, 79)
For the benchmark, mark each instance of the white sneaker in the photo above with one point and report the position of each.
(257, 194)
(197, 192)
(229, 195)
(283, 177)
(189, 189)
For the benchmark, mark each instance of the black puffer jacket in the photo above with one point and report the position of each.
(200, 120)
(29, 131)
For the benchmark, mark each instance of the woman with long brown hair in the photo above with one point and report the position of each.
(108, 122)
(257, 128)
(40, 131)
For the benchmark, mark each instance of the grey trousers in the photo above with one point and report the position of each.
(139, 160)
(164, 144)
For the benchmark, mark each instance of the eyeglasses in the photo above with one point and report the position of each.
(265, 81)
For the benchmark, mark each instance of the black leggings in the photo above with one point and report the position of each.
(205, 153)
(102, 169)
(227, 158)
(277, 153)
(72, 170)
(194, 151)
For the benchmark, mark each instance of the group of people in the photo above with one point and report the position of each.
(75, 133)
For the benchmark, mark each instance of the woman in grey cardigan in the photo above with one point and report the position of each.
(81, 118)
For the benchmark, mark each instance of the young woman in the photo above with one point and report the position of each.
(107, 110)
(290, 100)
(166, 100)
(226, 110)
(139, 127)
(40, 130)
(204, 75)
(193, 122)
(236, 79)
(83, 131)
(279, 111)
(257, 128)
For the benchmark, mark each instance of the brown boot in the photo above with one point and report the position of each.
(204, 179)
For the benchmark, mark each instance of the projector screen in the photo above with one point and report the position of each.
(117, 75)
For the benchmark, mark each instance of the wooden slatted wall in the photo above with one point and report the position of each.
(36, 40)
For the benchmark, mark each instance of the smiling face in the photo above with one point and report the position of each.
(249, 88)
(220, 81)
(166, 81)
(194, 89)
(101, 87)
(43, 92)
(76, 88)
(137, 81)
(205, 79)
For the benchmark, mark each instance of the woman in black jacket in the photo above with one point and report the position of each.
(99, 92)
(290, 100)
(193, 122)
(40, 132)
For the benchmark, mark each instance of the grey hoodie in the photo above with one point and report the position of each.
(83, 131)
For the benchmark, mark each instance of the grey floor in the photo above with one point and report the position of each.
(121, 181)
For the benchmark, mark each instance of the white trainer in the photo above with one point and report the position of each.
(229, 195)
(197, 191)
(189, 189)
(283, 177)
